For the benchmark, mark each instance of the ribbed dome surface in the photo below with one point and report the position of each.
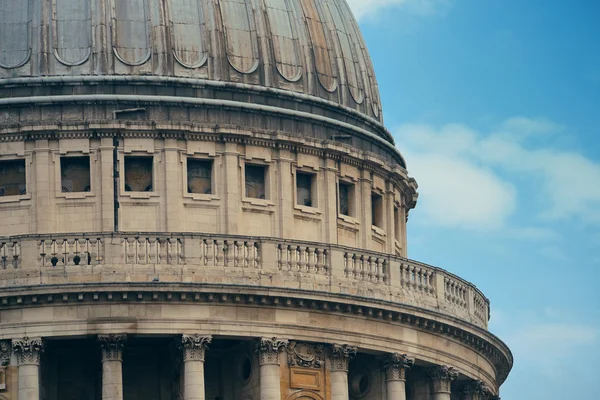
(311, 47)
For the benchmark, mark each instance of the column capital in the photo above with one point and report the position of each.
(395, 366)
(5, 351)
(112, 346)
(442, 377)
(268, 350)
(341, 354)
(28, 351)
(476, 390)
(195, 346)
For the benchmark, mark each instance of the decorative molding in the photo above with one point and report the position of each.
(195, 346)
(5, 352)
(341, 356)
(395, 366)
(112, 346)
(305, 355)
(268, 350)
(28, 351)
(441, 378)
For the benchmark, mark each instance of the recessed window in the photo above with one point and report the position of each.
(75, 174)
(138, 174)
(346, 193)
(199, 176)
(305, 195)
(397, 222)
(12, 178)
(255, 176)
(377, 210)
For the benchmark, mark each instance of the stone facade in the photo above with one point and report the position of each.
(209, 207)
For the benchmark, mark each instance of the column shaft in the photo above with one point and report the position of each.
(395, 366)
(339, 385)
(396, 390)
(193, 378)
(112, 380)
(441, 396)
(29, 382)
(268, 360)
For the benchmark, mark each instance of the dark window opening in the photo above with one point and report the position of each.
(256, 181)
(75, 174)
(397, 222)
(12, 178)
(138, 174)
(377, 210)
(199, 176)
(346, 193)
(304, 189)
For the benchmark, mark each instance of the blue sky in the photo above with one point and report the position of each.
(496, 106)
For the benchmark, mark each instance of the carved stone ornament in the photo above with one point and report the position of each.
(476, 390)
(5, 351)
(28, 351)
(305, 355)
(112, 346)
(195, 346)
(268, 350)
(395, 366)
(341, 356)
(442, 377)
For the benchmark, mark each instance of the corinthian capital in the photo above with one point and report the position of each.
(28, 351)
(341, 354)
(112, 346)
(442, 377)
(268, 350)
(476, 390)
(194, 347)
(395, 366)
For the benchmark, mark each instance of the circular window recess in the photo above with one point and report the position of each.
(360, 384)
(245, 368)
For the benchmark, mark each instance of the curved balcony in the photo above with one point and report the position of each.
(303, 268)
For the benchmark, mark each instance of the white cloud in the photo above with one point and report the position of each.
(365, 9)
(470, 173)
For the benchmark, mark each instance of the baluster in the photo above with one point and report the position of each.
(60, 253)
(4, 256)
(310, 260)
(241, 254)
(280, 260)
(10, 255)
(227, 250)
(152, 251)
(208, 249)
(302, 264)
(93, 252)
(257, 255)
(219, 258)
(76, 249)
(68, 252)
(292, 260)
(320, 265)
(380, 275)
(354, 266)
(161, 244)
(180, 252)
(248, 253)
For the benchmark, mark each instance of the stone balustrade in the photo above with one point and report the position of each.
(219, 259)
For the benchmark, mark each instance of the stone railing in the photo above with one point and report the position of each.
(233, 260)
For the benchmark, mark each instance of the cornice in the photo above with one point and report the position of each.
(472, 336)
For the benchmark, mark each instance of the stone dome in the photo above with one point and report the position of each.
(310, 49)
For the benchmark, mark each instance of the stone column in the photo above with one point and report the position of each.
(476, 390)
(112, 365)
(194, 349)
(441, 379)
(28, 352)
(395, 367)
(340, 359)
(268, 360)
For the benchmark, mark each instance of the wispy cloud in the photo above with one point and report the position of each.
(466, 175)
(369, 9)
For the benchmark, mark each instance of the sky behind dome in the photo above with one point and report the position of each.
(496, 106)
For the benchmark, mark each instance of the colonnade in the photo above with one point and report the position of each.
(194, 347)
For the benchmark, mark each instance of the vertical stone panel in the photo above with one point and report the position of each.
(320, 40)
(15, 33)
(72, 27)
(284, 35)
(188, 32)
(240, 35)
(347, 38)
(130, 31)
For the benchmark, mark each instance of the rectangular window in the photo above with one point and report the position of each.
(377, 210)
(304, 189)
(75, 174)
(139, 174)
(346, 193)
(199, 176)
(12, 178)
(255, 176)
(397, 222)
